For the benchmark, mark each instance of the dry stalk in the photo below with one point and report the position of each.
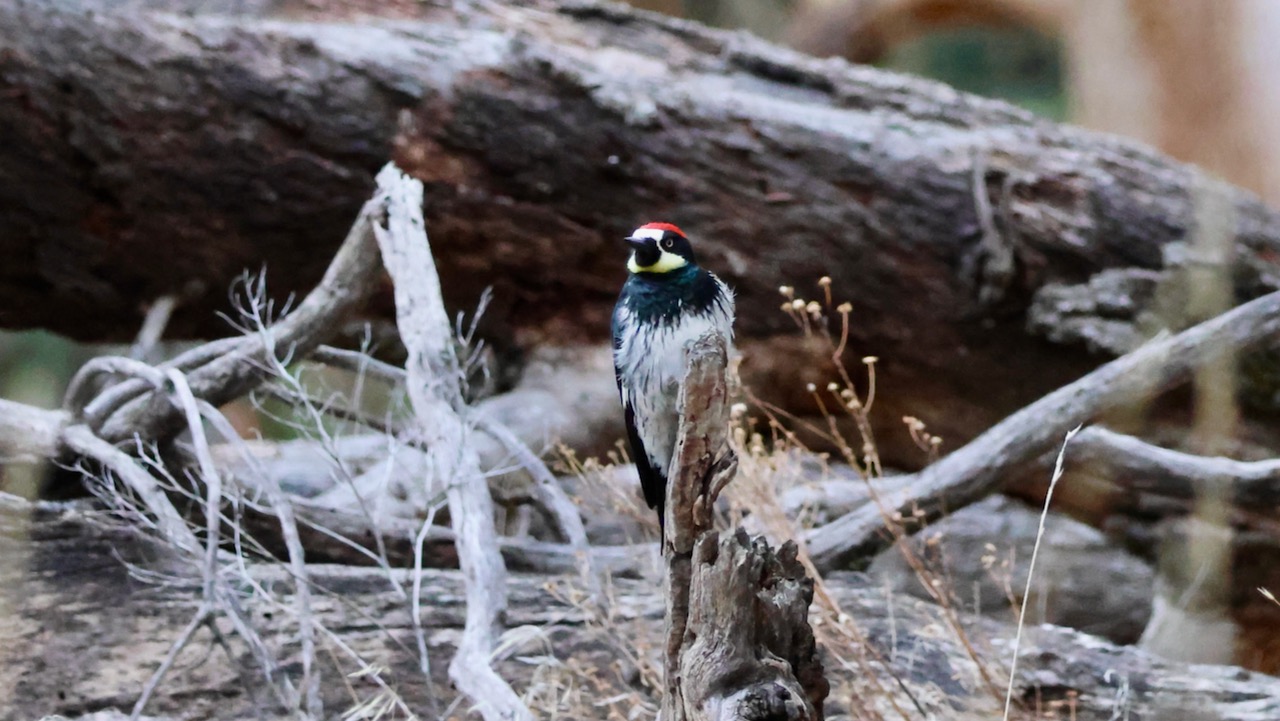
(1031, 570)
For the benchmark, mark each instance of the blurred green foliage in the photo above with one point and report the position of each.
(35, 367)
(1013, 64)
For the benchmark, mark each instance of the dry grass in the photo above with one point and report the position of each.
(771, 455)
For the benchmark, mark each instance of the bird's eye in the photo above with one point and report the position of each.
(668, 244)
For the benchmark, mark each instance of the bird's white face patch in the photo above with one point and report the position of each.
(648, 233)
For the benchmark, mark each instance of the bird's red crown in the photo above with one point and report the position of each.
(663, 226)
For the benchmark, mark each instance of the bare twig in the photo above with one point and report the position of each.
(157, 319)
(549, 495)
(433, 381)
(83, 386)
(213, 529)
(111, 399)
(546, 490)
(200, 618)
(82, 441)
(283, 509)
(419, 633)
(976, 470)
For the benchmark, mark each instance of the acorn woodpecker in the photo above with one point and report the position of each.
(667, 301)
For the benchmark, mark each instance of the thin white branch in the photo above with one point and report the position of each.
(208, 473)
(433, 383)
(81, 440)
(144, 346)
(213, 533)
(29, 434)
(419, 633)
(283, 509)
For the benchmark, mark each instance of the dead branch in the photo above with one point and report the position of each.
(209, 602)
(282, 507)
(343, 536)
(152, 404)
(169, 522)
(738, 642)
(133, 411)
(980, 467)
(1138, 467)
(433, 377)
(29, 434)
(546, 491)
(550, 496)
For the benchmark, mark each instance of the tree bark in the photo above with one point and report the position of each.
(201, 144)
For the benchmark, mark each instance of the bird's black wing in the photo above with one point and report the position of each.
(652, 480)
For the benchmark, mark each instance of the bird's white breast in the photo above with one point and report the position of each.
(651, 365)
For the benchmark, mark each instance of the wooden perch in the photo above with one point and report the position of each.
(749, 651)
(738, 641)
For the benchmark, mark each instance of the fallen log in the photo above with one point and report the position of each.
(161, 153)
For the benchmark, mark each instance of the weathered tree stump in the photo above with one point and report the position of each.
(752, 654)
(739, 645)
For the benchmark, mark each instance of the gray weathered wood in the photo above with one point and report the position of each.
(738, 642)
(433, 377)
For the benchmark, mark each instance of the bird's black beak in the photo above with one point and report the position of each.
(647, 252)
